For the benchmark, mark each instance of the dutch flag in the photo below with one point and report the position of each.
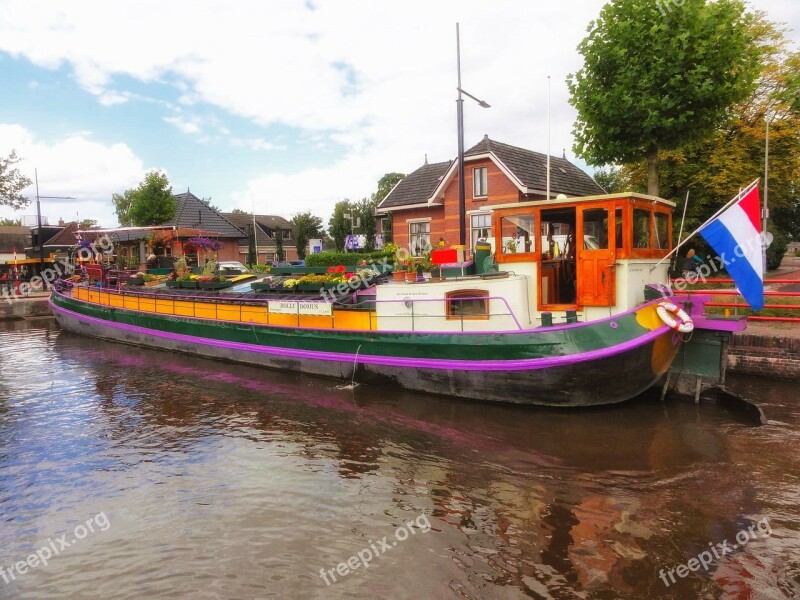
(735, 235)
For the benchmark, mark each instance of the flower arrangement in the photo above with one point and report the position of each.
(199, 242)
(332, 277)
(511, 245)
(159, 239)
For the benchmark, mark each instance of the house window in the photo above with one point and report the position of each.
(286, 233)
(481, 227)
(480, 184)
(467, 304)
(419, 237)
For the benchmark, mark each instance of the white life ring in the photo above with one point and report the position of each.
(679, 322)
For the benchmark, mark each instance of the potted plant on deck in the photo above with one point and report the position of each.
(209, 281)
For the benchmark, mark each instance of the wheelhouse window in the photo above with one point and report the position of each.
(662, 231)
(467, 304)
(595, 229)
(419, 237)
(481, 227)
(641, 228)
(480, 183)
(518, 234)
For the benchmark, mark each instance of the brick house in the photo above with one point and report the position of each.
(423, 207)
(268, 227)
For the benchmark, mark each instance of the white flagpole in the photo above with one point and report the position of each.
(765, 209)
(548, 138)
(739, 196)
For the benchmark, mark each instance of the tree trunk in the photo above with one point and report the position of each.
(652, 170)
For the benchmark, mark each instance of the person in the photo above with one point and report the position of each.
(152, 261)
(4, 282)
(692, 262)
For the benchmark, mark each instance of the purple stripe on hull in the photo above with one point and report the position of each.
(423, 363)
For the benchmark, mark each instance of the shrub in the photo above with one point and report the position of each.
(777, 248)
(333, 259)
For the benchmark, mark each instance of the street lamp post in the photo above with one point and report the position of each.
(462, 210)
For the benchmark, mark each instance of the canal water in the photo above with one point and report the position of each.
(143, 474)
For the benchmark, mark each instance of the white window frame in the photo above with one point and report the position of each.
(472, 229)
(423, 236)
(480, 182)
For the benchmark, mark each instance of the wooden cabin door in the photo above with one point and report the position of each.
(595, 256)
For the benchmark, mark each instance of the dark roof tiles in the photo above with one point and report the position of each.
(191, 212)
(531, 169)
(267, 224)
(417, 187)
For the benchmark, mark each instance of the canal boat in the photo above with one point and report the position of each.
(567, 304)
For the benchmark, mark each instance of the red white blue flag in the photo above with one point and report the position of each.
(735, 235)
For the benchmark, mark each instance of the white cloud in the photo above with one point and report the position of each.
(374, 78)
(189, 125)
(257, 144)
(75, 166)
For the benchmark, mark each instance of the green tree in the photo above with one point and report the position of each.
(207, 202)
(714, 168)
(609, 179)
(151, 203)
(385, 185)
(16, 222)
(122, 206)
(88, 224)
(280, 253)
(365, 210)
(656, 79)
(12, 182)
(252, 251)
(306, 227)
(338, 225)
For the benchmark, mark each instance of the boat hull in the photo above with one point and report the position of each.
(546, 368)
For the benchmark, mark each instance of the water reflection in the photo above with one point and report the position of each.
(224, 479)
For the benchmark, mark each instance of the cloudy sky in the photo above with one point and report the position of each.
(288, 105)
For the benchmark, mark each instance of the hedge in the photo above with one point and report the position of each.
(348, 259)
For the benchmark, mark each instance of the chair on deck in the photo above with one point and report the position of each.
(95, 273)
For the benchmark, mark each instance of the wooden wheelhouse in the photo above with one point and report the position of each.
(591, 254)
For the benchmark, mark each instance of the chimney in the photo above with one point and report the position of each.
(60, 222)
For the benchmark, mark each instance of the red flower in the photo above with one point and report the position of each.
(348, 275)
(331, 270)
(340, 269)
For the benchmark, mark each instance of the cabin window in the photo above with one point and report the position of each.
(662, 231)
(419, 237)
(618, 227)
(595, 229)
(481, 226)
(641, 228)
(480, 183)
(467, 304)
(517, 234)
